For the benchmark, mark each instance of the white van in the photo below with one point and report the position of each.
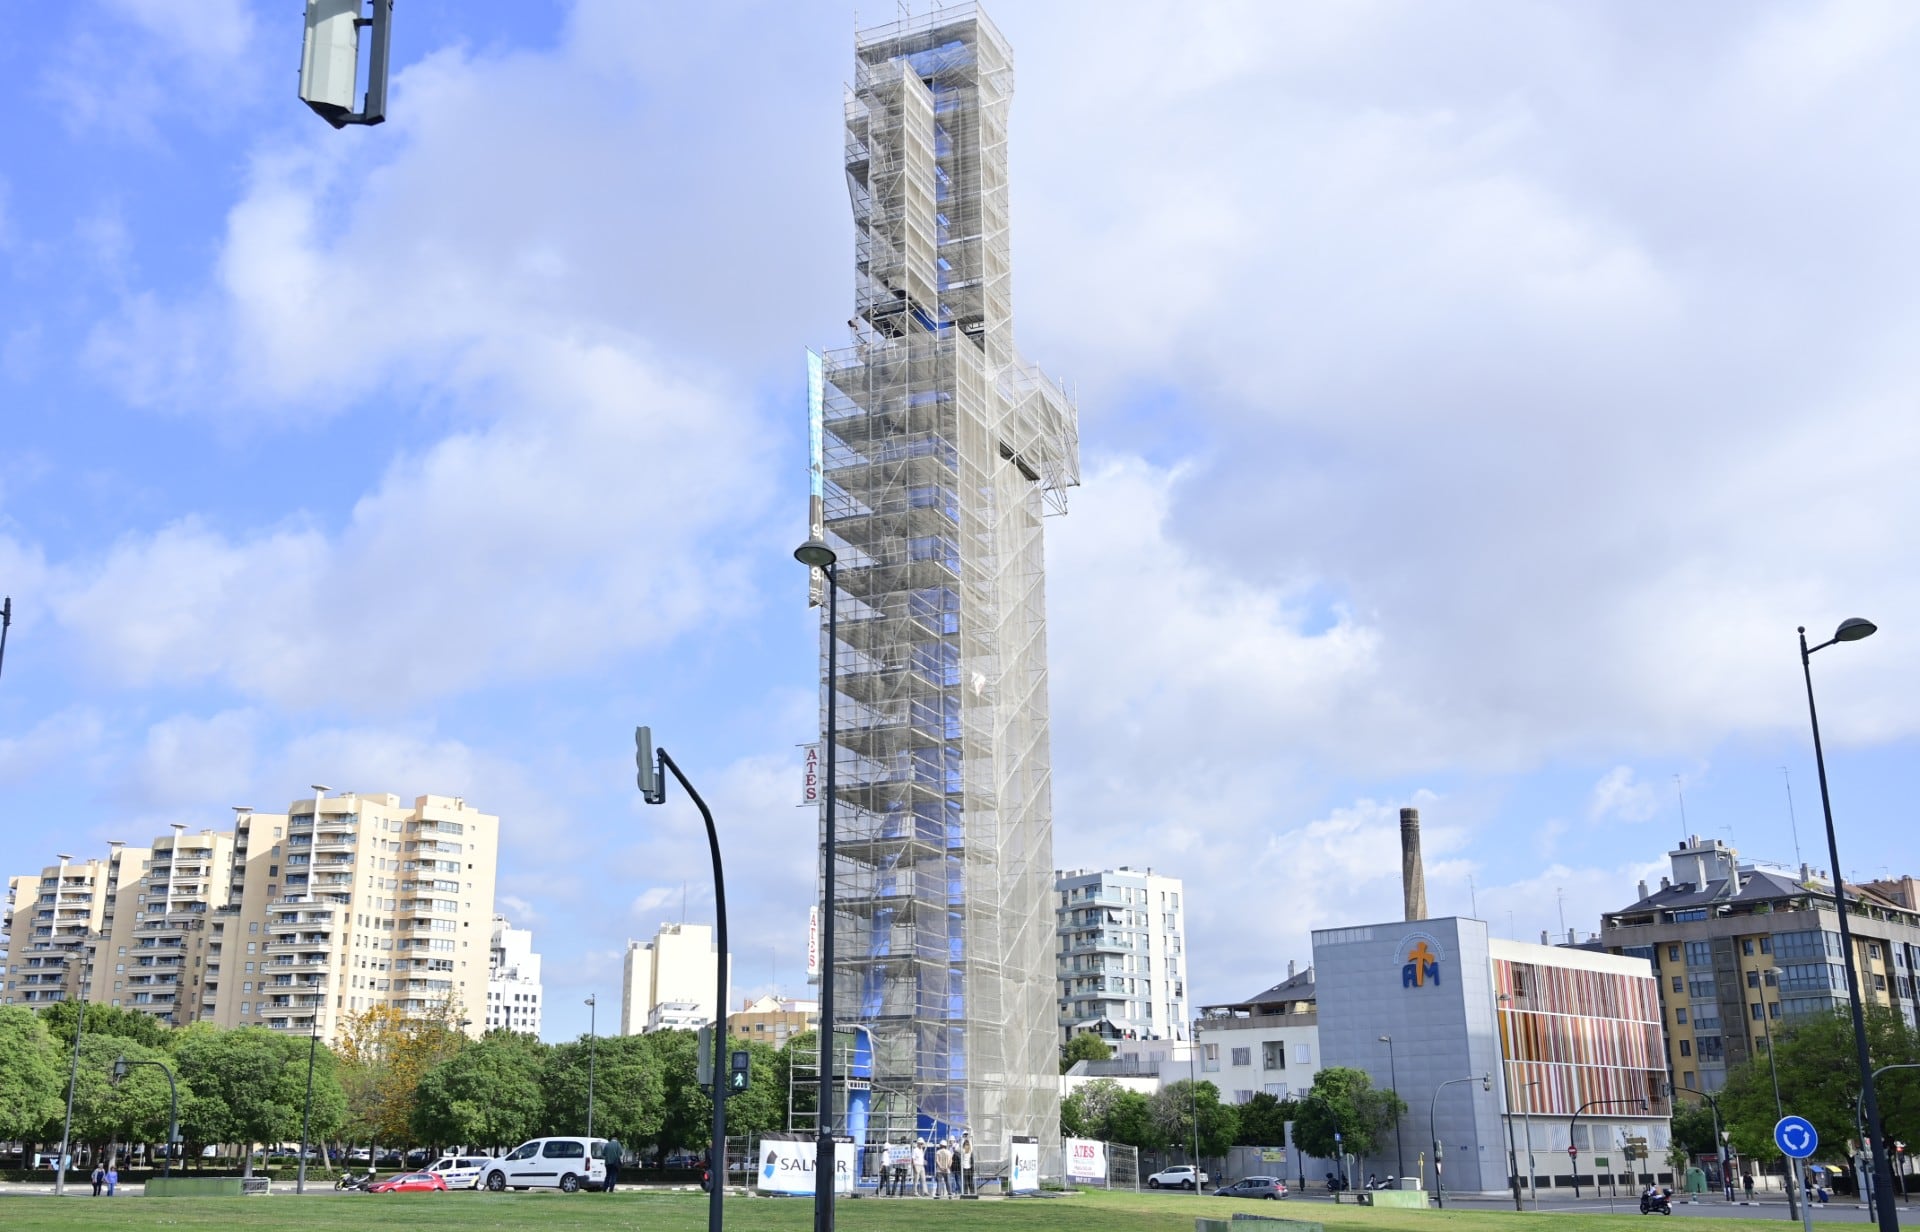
(460, 1171)
(565, 1164)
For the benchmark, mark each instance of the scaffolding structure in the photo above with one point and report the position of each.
(941, 452)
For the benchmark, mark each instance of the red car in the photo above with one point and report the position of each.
(411, 1182)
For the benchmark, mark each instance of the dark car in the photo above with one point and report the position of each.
(1253, 1187)
(391, 1159)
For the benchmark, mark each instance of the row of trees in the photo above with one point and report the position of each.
(1342, 1101)
(394, 1080)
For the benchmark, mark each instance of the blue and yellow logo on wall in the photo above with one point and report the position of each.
(1420, 961)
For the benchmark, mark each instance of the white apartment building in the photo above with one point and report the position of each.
(513, 980)
(1120, 956)
(1268, 1043)
(669, 981)
(292, 921)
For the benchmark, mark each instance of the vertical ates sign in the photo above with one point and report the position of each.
(816, 469)
(813, 942)
(810, 776)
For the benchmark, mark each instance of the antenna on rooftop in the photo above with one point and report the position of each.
(1682, 796)
(1792, 821)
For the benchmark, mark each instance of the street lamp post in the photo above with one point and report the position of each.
(1433, 1131)
(1393, 1077)
(120, 1069)
(1719, 1136)
(6, 622)
(1193, 1103)
(1850, 630)
(306, 1114)
(1526, 1122)
(1574, 1123)
(593, 1029)
(73, 1078)
(1860, 1132)
(815, 554)
(653, 789)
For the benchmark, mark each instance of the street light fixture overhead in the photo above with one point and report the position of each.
(814, 553)
(1853, 629)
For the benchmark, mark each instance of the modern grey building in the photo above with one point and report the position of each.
(937, 453)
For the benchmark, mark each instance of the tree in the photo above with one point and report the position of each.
(491, 1093)
(1084, 1113)
(688, 1115)
(1345, 1101)
(104, 1020)
(32, 1081)
(250, 1085)
(1130, 1121)
(1819, 1079)
(133, 1109)
(1084, 1047)
(1174, 1108)
(1263, 1120)
(385, 1054)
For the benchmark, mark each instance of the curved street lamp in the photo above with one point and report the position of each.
(1851, 630)
(1393, 1077)
(120, 1068)
(593, 1031)
(1439, 1186)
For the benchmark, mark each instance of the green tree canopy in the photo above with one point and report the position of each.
(1084, 1047)
(1344, 1100)
(1263, 1120)
(104, 1020)
(32, 1079)
(1819, 1080)
(1174, 1108)
(1130, 1120)
(250, 1086)
(491, 1093)
(134, 1109)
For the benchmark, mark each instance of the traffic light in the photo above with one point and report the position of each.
(703, 1067)
(737, 1076)
(649, 776)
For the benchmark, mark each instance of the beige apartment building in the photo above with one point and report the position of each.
(291, 921)
(669, 981)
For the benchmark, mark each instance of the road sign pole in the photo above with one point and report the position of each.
(1806, 1200)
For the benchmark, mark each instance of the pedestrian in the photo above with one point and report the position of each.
(113, 1177)
(99, 1179)
(942, 1170)
(953, 1182)
(614, 1154)
(1746, 1180)
(917, 1168)
(966, 1162)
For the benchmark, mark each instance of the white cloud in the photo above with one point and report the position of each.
(70, 734)
(191, 759)
(1619, 795)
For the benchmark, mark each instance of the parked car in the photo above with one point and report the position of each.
(566, 1164)
(410, 1182)
(391, 1159)
(460, 1171)
(1180, 1176)
(1253, 1187)
(360, 1155)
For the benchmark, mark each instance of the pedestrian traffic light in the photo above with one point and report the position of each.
(703, 1066)
(649, 776)
(738, 1074)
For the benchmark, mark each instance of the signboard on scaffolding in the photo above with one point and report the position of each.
(786, 1166)
(810, 774)
(816, 469)
(813, 942)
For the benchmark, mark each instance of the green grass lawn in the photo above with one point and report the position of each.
(687, 1212)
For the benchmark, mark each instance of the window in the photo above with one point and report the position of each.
(1673, 953)
(1519, 982)
(1757, 1013)
(1679, 985)
(1699, 954)
(1688, 1076)
(1753, 979)
(1303, 1054)
(564, 1148)
(1873, 949)
(1766, 945)
(1746, 947)
(1686, 1048)
(1773, 1009)
(1243, 1056)
(1680, 1015)
(1273, 1054)
(526, 1152)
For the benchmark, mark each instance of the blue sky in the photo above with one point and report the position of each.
(1474, 398)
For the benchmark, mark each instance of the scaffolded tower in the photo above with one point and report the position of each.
(941, 451)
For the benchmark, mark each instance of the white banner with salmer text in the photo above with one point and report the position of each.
(1025, 1157)
(786, 1167)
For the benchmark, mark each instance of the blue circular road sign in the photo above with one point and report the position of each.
(1796, 1137)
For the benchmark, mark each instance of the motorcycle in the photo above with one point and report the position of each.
(1386, 1184)
(349, 1181)
(1660, 1203)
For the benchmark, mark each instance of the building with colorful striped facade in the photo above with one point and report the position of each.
(1506, 1052)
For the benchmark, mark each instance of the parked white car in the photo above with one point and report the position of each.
(565, 1164)
(460, 1171)
(1180, 1176)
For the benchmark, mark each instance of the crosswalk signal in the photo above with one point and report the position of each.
(703, 1065)
(649, 776)
(737, 1076)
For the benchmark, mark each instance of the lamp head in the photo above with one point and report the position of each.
(1853, 629)
(1386, 1039)
(120, 1068)
(815, 554)
(1486, 1082)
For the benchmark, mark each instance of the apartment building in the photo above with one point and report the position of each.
(1741, 950)
(1120, 959)
(513, 980)
(668, 982)
(773, 1020)
(1266, 1043)
(292, 921)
